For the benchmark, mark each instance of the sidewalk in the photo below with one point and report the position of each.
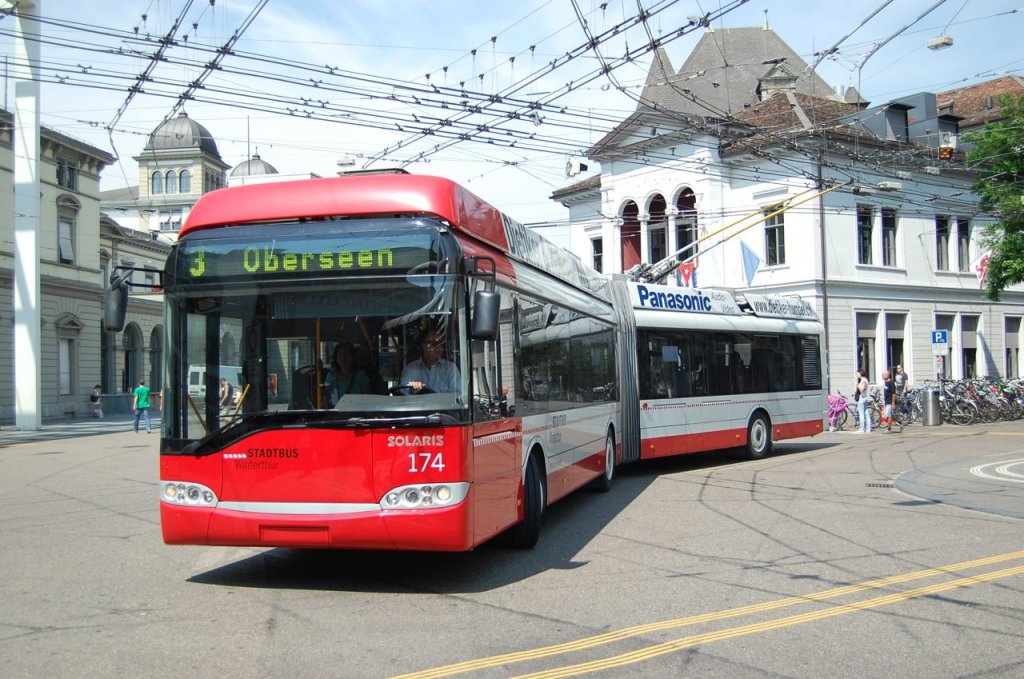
(73, 428)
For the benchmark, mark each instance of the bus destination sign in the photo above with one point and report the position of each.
(212, 261)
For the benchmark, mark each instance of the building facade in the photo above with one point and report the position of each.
(179, 164)
(137, 351)
(859, 210)
(70, 276)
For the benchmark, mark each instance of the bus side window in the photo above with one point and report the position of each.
(491, 376)
(506, 347)
(701, 348)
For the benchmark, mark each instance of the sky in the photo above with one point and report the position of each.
(497, 96)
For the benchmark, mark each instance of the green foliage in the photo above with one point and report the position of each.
(998, 159)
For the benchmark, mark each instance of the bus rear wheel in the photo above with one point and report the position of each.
(759, 437)
(524, 535)
(603, 483)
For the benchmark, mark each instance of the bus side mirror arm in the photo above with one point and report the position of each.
(115, 298)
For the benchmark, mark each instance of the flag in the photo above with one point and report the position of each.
(750, 262)
(980, 266)
(686, 275)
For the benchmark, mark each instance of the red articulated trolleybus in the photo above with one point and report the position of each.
(715, 371)
(408, 368)
(510, 405)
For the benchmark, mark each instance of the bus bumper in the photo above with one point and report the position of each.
(441, 530)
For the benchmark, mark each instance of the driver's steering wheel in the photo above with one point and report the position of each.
(424, 267)
(409, 390)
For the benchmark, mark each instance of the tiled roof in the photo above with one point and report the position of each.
(977, 103)
(785, 117)
(718, 79)
(779, 113)
(588, 184)
(128, 193)
(733, 60)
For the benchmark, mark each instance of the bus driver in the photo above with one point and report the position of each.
(431, 370)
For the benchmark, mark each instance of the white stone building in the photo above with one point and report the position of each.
(886, 258)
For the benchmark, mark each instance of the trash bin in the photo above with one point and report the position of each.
(931, 413)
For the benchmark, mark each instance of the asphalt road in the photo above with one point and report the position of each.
(844, 555)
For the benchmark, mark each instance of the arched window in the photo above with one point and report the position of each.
(156, 184)
(185, 182)
(107, 364)
(229, 349)
(131, 357)
(170, 181)
(686, 225)
(630, 216)
(657, 238)
(156, 359)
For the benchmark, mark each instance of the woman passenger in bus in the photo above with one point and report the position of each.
(344, 377)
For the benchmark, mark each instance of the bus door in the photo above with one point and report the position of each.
(726, 411)
(497, 432)
(674, 384)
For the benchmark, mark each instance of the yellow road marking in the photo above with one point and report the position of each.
(687, 642)
(626, 633)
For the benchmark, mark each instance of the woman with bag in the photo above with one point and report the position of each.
(96, 399)
(861, 396)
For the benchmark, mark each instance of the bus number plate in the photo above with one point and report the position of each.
(421, 462)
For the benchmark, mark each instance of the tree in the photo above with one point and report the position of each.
(998, 158)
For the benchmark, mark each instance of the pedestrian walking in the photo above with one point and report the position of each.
(902, 381)
(140, 404)
(96, 399)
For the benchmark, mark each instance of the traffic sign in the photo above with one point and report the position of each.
(940, 342)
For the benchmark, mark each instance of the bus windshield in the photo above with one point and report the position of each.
(291, 328)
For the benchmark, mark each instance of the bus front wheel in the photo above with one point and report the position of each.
(524, 535)
(759, 437)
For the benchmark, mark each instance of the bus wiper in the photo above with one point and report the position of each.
(433, 420)
(230, 429)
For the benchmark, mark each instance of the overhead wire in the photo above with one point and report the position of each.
(501, 107)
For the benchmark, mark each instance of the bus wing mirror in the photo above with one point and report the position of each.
(486, 305)
(115, 303)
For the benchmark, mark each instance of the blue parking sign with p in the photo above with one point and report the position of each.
(940, 337)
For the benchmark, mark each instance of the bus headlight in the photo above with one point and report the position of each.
(425, 497)
(187, 494)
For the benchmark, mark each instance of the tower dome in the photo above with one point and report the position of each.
(180, 133)
(252, 167)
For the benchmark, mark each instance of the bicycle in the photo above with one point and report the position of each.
(908, 408)
(842, 410)
(837, 415)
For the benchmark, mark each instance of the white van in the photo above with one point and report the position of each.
(197, 379)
